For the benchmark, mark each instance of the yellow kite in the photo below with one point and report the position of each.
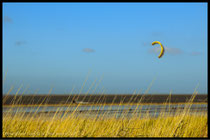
(162, 49)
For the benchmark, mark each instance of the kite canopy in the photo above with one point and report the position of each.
(162, 48)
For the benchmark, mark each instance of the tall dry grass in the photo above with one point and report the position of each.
(74, 124)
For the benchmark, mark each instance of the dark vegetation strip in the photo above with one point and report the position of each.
(95, 99)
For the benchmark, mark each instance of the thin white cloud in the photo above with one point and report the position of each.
(7, 19)
(195, 53)
(88, 50)
(20, 43)
(172, 51)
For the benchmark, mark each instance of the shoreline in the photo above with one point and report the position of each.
(71, 105)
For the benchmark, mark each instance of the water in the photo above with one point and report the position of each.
(108, 111)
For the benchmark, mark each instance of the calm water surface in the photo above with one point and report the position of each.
(107, 110)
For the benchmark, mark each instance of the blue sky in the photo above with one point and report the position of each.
(57, 45)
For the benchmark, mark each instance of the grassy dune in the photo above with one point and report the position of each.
(178, 126)
(182, 124)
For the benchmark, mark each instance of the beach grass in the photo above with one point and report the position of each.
(74, 124)
(42, 126)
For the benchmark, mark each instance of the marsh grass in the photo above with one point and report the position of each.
(74, 124)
